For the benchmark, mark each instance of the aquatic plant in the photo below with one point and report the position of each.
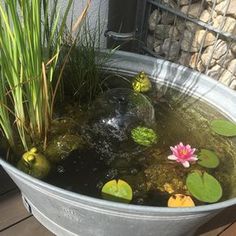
(180, 200)
(82, 77)
(144, 136)
(117, 190)
(223, 127)
(183, 154)
(207, 158)
(204, 186)
(30, 41)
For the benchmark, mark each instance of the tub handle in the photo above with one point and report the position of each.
(119, 36)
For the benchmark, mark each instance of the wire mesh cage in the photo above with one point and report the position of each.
(200, 34)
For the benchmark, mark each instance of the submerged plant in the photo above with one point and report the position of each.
(183, 154)
(144, 136)
(117, 190)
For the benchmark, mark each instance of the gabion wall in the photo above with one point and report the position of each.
(197, 34)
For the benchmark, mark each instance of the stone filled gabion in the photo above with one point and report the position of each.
(189, 44)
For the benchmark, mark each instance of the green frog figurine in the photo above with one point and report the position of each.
(34, 164)
(141, 83)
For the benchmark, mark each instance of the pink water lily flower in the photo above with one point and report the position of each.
(183, 154)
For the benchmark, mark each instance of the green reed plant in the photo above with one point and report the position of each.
(82, 77)
(30, 42)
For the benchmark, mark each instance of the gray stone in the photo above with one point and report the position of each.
(207, 58)
(226, 78)
(174, 33)
(207, 16)
(180, 25)
(232, 67)
(184, 58)
(154, 19)
(196, 63)
(171, 49)
(194, 10)
(211, 2)
(225, 59)
(162, 31)
(170, 3)
(233, 47)
(167, 18)
(150, 41)
(189, 44)
(157, 46)
(233, 84)
(157, 49)
(223, 7)
(215, 72)
(204, 38)
(186, 2)
(220, 49)
(218, 53)
(227, 24)
(192, 27)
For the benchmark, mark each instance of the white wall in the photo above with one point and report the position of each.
(98, 10)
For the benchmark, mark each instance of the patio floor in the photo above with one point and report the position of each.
(15, 220)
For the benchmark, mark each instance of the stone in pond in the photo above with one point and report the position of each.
(113, 115)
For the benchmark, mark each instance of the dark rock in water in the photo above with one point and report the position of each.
(113, 115)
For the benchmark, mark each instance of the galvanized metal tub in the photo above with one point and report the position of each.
(67, 213)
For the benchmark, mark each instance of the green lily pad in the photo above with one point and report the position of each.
(223, 127)
(207, 158)
(204, 187)
(118, 191)
(144, 136)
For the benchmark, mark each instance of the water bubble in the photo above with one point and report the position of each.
(111, 174)
(112, 117)
(134, 171)
(99, 185)
(140, 201)
(60, 169)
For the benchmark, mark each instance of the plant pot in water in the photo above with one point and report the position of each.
(67, 213)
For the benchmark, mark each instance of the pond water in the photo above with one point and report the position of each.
(90, 155)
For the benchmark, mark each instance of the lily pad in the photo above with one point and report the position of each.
(118, 191)
(180, 200)
(144, 136)
(223, 127)
(204, 186)
(207, 158)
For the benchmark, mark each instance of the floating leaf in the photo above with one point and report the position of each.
(207, 158)
(180, 200)
(223, 127)
(144, 136)
(204, 187)
(118, 191)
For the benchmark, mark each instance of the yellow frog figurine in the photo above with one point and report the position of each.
(141, 83)
(34, 164)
